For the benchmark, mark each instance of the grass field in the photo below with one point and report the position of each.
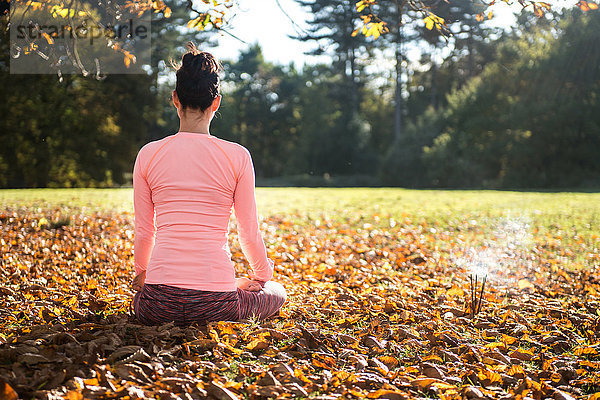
(569, 213)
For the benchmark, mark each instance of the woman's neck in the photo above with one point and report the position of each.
(195, 124)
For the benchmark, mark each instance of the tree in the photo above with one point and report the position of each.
(529, 119)
(63, 33)
(78, 132)
(208, 15)
(168, 43)
(257, 110)
(331, 27)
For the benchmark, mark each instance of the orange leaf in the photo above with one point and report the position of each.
(48, 38)
(7, 392)
(583, 5)
(73, 395)
(516, 370)
(390, 362)
(508, 339)
(257, 344)
(386, 394)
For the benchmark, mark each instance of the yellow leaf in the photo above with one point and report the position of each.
(508, 339)
(524, 283)
(585, 351)
(433, 357)
(225, 328)
(193, 22)
(429, 22)
(591, 364)
(539, 12)
(376, 33)
(492, 376)
(371, 30)
(36, 5)
(167, 12)
(432, 21)
(515, 370)
(454, 292)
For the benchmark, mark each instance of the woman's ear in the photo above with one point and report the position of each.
(216, 103)
(176, 101)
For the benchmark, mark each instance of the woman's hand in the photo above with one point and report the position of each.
(138, 281)
(248, 284)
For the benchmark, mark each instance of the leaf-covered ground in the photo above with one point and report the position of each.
(377, 308)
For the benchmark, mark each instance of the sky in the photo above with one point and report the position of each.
(266, 22)
(263, 21)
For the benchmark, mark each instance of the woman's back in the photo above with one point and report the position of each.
(183, 189)
(191, 181)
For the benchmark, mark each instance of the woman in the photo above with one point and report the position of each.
(184, 188)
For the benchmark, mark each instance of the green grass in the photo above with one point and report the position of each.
(569, 213)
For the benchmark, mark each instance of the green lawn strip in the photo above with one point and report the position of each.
(571, 216)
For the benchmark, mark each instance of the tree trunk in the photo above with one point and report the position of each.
(354, 85)
(398, 92)
(351, 63)
(433, 83)
(470, 49)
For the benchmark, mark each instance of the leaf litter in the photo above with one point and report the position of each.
(381, 310)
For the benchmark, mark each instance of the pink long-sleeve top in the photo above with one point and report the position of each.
(184, 187)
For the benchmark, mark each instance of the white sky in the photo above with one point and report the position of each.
(264, 22)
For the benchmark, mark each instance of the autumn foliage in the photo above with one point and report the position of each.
(377, 308)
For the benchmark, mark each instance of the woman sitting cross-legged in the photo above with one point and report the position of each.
(184, 188)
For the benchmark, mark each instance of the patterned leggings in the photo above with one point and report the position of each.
(157, 304)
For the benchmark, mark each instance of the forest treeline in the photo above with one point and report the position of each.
(488, 108)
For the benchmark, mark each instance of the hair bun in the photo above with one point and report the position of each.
(187, 59)
(197, 78)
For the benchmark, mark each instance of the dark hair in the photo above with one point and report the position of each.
(197, 78)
